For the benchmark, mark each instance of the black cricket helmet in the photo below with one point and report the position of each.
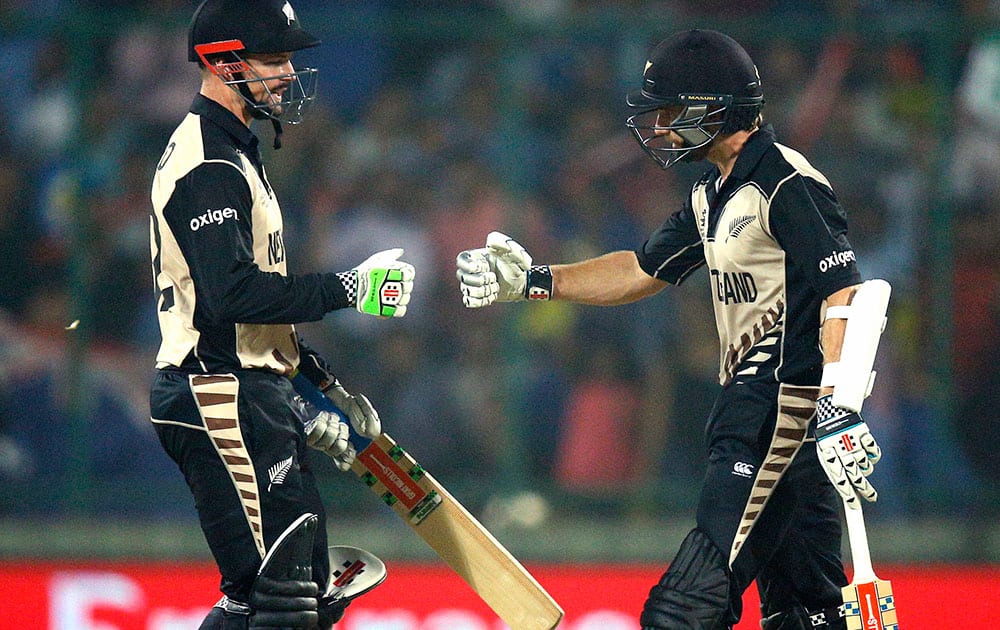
(713, 81)
(233, 29)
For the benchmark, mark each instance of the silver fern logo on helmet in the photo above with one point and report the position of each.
(289, 12)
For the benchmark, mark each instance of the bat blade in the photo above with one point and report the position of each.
(456, 536)
(448, 528)
(870, 606)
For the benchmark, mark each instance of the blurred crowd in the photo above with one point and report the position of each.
(438, 122)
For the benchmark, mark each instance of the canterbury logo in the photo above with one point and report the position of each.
(278, 472)
(743, 469)
(738, 225)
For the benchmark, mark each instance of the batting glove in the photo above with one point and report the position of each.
(476, 278)
(358, 409)
(384, 284)
(511, 263)
(501, 272)
(325, 432)
(847, 450)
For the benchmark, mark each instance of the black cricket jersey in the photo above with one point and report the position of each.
(224, 299)
(774, 238)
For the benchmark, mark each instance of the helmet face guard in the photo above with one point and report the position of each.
(702, 118)
(286, 107)
(707, 81)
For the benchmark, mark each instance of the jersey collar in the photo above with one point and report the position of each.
(756, 145)
(207, 108)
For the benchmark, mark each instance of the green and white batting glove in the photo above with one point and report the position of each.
(501, 272)
(384, 284)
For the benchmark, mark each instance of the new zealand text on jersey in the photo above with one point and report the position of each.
(275, 248)
(734, 287)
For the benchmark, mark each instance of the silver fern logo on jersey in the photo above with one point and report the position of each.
(279, 471)
(836, 259)
(738, 225)
(212, 217)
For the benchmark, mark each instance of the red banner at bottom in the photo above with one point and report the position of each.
(115, 596)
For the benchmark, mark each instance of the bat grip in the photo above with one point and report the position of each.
(860, 552)
(313, 394)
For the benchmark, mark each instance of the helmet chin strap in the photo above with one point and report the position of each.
(260, 113)
(277, 133)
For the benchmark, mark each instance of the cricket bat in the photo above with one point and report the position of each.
(868, 601)
(447, 527)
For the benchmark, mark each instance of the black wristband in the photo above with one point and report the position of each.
(539, 284)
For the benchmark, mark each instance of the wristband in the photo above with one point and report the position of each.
(349, 280)
(539, 284)
(831, 419)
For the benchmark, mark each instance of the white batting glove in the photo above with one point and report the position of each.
(495, 273)
(847, 450)
(384, 284)
(325, 432)
(477, 279)
(511, 263)
(358, 409)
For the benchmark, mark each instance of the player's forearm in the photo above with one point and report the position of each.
(832, 331)
(607, 280)
(256, 297)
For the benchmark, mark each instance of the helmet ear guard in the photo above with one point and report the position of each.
(689, 125)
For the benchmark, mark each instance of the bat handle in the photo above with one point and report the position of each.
(860, 552)
(310, 392)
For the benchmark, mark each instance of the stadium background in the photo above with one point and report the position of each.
(573, 433)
